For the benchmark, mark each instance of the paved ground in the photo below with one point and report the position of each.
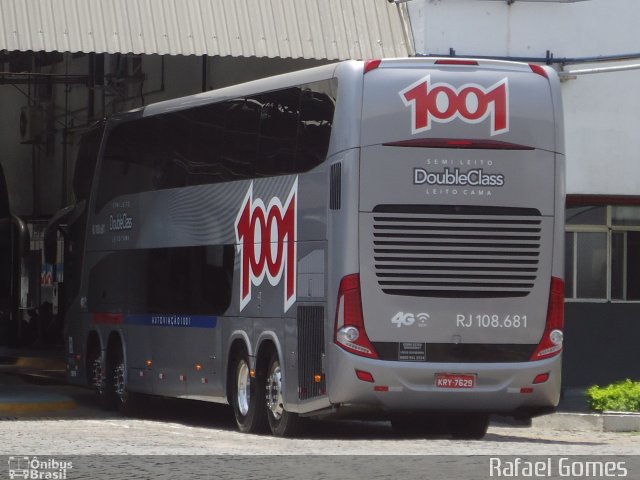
(185, 428)
(68, 421)
(153, 437)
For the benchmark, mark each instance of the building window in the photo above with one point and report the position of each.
(602, 253)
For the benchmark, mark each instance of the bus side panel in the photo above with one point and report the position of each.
(343, 252)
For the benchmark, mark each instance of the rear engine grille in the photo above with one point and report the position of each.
(456, 251)
(335, 196)
(310, 352)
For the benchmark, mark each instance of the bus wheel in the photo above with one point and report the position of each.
(281, 422)
(248, 406)
(117, 380)
(96, 376)
(469, 426)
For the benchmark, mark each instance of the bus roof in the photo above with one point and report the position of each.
(249, 88)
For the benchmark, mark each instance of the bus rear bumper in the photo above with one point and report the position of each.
(501, 388)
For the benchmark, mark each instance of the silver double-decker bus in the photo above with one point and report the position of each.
(363, 238)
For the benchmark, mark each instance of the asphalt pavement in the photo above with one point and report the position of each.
(32, 383)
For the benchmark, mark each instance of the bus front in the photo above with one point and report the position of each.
(456, 306)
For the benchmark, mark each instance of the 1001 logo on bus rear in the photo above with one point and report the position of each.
(471, 103)
(266, 241)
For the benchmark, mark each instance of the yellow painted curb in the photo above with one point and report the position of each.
(24, 408)
(40, 362)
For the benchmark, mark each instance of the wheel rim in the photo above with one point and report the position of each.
(97, 380)
(274, 392)
(119, 381)
(243, 382)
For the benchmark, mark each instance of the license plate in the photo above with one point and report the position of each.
(455, 380)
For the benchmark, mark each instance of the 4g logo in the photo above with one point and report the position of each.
(266, 241)
(471, 103)
(401, 319)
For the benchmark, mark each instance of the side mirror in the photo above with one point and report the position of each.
(51, 233)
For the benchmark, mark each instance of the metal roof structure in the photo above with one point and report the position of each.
(320, 29)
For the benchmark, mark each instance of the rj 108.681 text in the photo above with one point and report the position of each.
(491, 321)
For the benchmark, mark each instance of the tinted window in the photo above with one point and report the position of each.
(86, 162)
(275, 133)
(144, 155)
(316, 119)
(185, 280)
(279, 122)
(207, 134)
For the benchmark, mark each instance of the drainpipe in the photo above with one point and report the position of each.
(573, 74)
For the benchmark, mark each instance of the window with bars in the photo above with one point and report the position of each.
(602, 253)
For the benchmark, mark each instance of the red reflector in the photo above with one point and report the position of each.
(458, 143)
(364, 376)
(107, 318)
(456, 62)
(537, 69)
(551, 341)
(526, 390)
(541, 378)
(381, 388)
(350, 333)
(371, 65)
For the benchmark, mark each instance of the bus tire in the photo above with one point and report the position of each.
(247, 402)
(96, 378)
(123, 400)
(472, 426)
(281, 422)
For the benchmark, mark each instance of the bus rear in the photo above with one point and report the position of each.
(456, 304)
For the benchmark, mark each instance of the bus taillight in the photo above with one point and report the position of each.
(371, 65)
(551, 342)
(349, 330)
(537, 69)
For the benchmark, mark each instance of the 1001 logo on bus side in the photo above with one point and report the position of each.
(266, 241)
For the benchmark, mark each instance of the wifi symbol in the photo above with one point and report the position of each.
(422, 317)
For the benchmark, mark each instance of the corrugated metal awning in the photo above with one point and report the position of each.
(320, 29)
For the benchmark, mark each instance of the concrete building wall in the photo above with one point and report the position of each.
(130, 82)
(14, 157)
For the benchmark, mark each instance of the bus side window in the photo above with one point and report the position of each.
(170, 154)
(282, 132)
(179, 280)
(123, 171)
(145, 155)
(207, 136)
(86, 162)
(240, 146)
(316, 119)
(218, 276)
(107, 284)
(278, 132)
